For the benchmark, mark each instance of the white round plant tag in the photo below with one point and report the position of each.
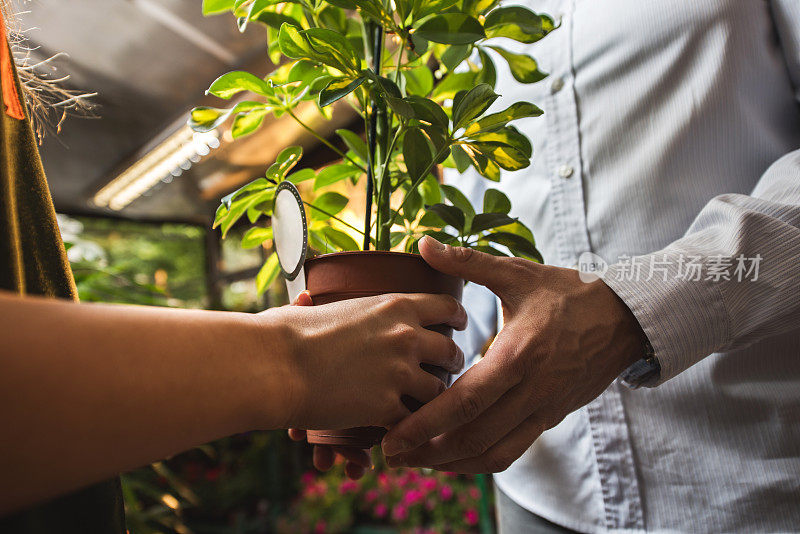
(290, 235)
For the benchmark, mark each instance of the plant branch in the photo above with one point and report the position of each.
(332, 216)
(323, 140)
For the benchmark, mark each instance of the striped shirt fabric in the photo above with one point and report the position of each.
(668, 162)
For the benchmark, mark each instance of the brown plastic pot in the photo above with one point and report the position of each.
(348, 275)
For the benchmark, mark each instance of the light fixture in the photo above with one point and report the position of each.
(169, 159)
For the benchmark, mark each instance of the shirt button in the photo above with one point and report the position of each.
(556, 85)
(565, 171)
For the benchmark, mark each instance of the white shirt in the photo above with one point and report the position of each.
(671, 135)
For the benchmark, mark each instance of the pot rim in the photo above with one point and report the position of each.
(365, 253)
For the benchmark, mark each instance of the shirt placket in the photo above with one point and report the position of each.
(609, 431)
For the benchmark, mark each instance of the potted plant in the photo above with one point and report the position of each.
(421, 75)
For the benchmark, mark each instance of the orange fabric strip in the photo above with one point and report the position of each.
(10, 95)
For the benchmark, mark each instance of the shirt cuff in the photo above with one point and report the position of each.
(682, 314)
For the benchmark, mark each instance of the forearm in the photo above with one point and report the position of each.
(87, 391)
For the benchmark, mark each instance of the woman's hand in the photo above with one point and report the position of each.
(350, 363)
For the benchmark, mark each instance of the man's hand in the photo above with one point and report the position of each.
(563, 342)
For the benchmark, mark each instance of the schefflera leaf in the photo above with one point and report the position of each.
(451, 28)
(204, 118)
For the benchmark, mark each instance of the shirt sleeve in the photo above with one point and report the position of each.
(734, 278)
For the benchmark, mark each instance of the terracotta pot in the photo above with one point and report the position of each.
(347, 275)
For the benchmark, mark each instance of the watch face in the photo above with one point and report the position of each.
(289, 229)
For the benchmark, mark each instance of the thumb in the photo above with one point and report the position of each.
(466, 263)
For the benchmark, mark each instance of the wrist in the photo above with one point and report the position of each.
(629, 338)
(270, 375)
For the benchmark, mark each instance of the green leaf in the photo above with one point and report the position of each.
(255, 236)
(523, 67)
(239, 207)
(451, 28)
(429, 111)
(473, 104)
(460, 201)
(339, 239)
(267, 274)
(335, 173)
(235, 82)
(400, 106)
(215, 7)
(430, 191)
(419, 80)
(486, 221)
(506, 156)
(452, 83)
(454, 55)
(486, 167)
(417, 153)
(319, 45)
(451, 215)
(305, 71)
(338, 88)
(495, 121)
(488, 72)
(301, 176)
(275, 19)
(257, 185)
(205, 119)
(508, 135)
(518, 245)
(354, 143)
(432, 220)
(515, 22)
(334, 44)
(330, 202)
(495, 201)
(288, 158)
(423, 8)
(412, 204)
(395, 238)
(460, 158)
(247, 123)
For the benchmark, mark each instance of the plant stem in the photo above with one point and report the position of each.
(374, 48)
(323, 140)
(383, 237)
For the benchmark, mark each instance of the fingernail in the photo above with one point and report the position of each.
(391, 447)
(434, 243)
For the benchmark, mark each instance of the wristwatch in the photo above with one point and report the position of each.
(643, 372)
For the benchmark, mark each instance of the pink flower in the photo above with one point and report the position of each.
(412, 497)
(383, 480)
(429, 484)
(320, 527)
(307, 478)
(446, 492)
(400, 512)
(471, 516)
(371, 496)
(380, 510)
(474, 492)
(348, 486)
